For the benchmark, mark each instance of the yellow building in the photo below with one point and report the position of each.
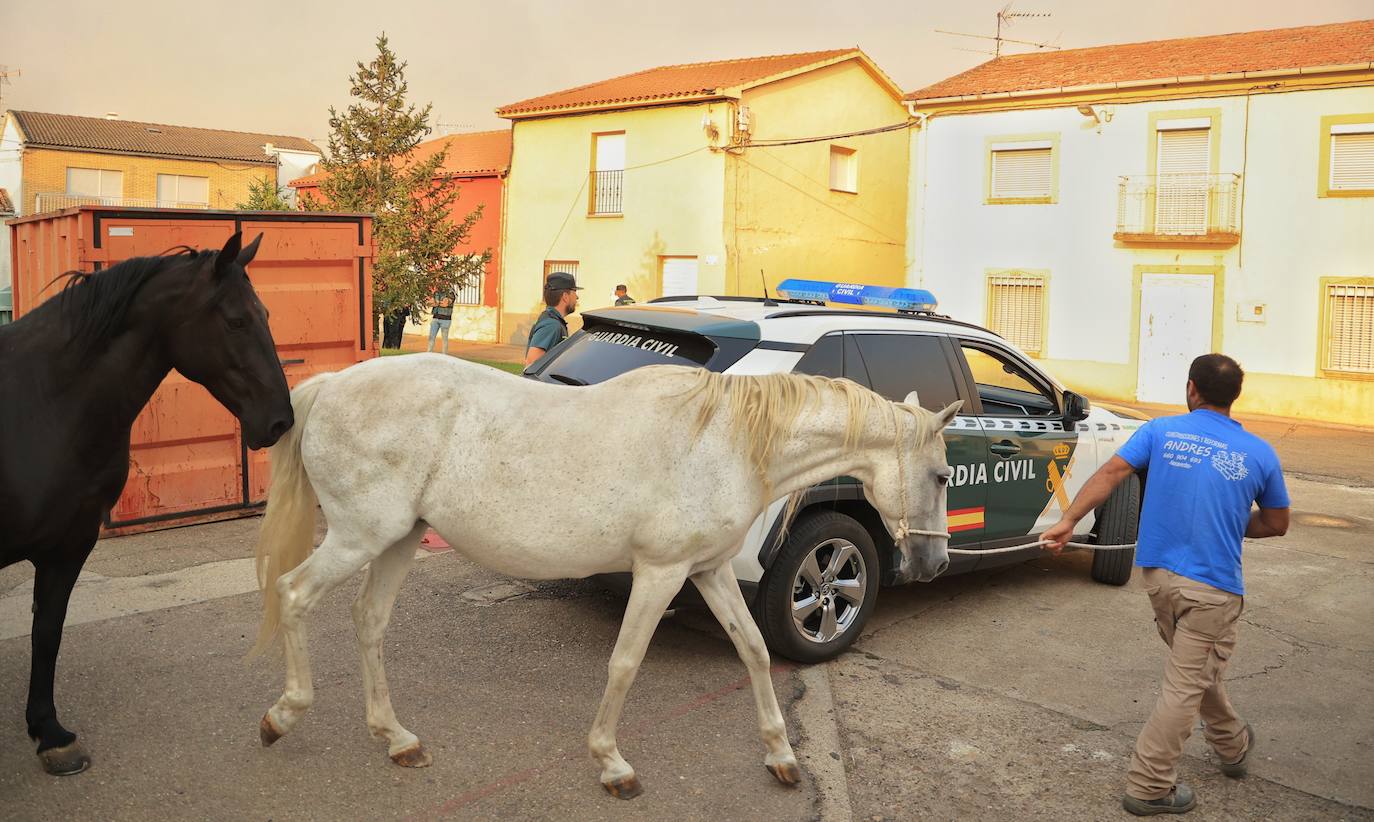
(710, 178)
(54, 161)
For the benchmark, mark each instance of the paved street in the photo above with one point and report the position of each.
(993, 695)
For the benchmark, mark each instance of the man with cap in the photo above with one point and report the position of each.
(560, 297)
(622, 296)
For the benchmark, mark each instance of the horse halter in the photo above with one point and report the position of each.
(904, 529)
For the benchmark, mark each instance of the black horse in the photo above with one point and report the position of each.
(74, 374)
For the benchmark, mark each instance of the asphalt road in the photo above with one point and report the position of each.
(997, 695)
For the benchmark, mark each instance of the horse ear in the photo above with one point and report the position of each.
(248, 253)
(946, 416)
(912, 400)
(228, 255)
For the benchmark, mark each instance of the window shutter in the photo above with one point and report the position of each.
(1350, 328)
(1181, 191)
(1352, 161)
(1016, 310)
(1022, 172)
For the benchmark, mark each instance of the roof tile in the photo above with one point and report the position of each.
(66, 131)
(1164, 60)
(472, 154)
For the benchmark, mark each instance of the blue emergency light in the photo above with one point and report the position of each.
(819, 291)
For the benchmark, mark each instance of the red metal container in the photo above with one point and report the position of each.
(313, 271)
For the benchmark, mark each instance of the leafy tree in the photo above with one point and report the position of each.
(371, 168)
(264, 195)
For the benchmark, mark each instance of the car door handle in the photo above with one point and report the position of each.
(1005, 448)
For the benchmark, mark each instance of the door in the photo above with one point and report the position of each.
(1175, 327)
(1181, 186)
(679, 277)
(896, 364)
(1030, 452)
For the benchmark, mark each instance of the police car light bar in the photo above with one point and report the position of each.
(819, 291)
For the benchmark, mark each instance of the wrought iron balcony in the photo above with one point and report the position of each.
(607, 189)
(45, 201)
(1178, 209)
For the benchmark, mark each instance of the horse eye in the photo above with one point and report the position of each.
(237, 323)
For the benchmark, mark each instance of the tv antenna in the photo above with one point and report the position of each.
(445, 129)
(1005, 17)
(5, 74)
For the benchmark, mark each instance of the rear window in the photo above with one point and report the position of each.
(602, 351)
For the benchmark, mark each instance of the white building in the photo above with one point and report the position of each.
(1116, 211)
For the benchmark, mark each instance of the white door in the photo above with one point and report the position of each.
(1175, 327)
(679, 276)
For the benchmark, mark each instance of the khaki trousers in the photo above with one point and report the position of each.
(1198, 623)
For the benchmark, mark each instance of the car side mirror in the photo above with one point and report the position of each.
(1075, 407)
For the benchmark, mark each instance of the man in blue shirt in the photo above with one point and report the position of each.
(1204, 475)
(560, 297)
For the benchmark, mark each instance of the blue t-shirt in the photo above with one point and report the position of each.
(1205, 472)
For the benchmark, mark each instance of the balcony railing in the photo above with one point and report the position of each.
(1178, 209)
(45, 201)
(607, 192)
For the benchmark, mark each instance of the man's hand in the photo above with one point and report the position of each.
(1058, 534)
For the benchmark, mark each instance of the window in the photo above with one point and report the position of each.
(176, 191)
(898, 364)
(844, 169)
(1352, 157)
(825, 358)
(608, 174)
(1183, 158)
(95, 182)
(1022, 171)
(1005, 387)
(1017, 309)
(561, 266)
(1349, 315)
(678, 277)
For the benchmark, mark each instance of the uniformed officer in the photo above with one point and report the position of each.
(560, 295)
(622, 296)
(1206, 474)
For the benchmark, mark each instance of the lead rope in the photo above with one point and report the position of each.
(904, 530)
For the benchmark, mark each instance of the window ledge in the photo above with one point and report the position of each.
(1211, 238)
(1347, 192)
(1329, 374)
(616, 216)
(1020, 201)
(844, 191)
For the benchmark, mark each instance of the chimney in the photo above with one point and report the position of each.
(111, 115)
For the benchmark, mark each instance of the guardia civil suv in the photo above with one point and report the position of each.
(1020, 448)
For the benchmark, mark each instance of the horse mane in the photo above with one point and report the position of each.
(765, 408)
(94, 305)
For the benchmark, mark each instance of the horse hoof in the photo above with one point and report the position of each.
(413, 757)
(788, 773)
(268, 732)
(65, 761)
(625, 787)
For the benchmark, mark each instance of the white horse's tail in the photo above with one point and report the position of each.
(288, 529)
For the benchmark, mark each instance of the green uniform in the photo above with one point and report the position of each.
(549, 330)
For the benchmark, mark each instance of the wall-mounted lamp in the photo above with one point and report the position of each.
(1098, 115)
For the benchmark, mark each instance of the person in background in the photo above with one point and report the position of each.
(622, 296)
(441, 318)
(1205, 476)
(560, 299)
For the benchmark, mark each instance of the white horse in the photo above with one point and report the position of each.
(659, 472)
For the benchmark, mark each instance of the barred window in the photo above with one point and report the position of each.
(1350, 328)
(1016, 310)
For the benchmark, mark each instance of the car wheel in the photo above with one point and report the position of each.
(820, 589)
(1117, 523)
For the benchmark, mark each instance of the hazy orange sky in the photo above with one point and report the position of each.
(276, 67)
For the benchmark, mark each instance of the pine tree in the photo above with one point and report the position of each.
(370, 168)
(264, 195)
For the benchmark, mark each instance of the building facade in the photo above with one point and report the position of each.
(711, 178)
(1116, 219)
(479, 162)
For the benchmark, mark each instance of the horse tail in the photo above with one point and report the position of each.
(288, 529)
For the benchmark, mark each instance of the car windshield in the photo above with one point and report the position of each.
(604, 350)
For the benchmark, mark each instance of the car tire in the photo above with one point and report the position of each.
(1117, 522)
(843, 599)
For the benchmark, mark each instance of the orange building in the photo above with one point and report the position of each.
(479, 161)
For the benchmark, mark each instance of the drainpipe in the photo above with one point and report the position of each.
(918, 258)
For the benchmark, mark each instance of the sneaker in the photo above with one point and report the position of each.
(1178, 800)
(1237, 769)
